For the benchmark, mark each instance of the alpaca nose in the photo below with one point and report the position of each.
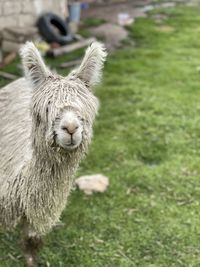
(71, 127)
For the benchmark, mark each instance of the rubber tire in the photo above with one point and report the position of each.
(49, 33)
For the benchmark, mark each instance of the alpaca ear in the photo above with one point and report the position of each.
(34, 67)
(90, 70)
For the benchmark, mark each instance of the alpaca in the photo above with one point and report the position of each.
(45, 129)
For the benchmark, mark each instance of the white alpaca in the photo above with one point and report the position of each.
(45, 129)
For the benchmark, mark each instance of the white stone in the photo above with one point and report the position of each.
(92, 183)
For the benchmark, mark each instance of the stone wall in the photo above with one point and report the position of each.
(22, 13)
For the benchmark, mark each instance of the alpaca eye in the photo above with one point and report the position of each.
(64, 128)
(81, 119)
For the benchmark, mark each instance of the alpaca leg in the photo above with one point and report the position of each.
(31, 245)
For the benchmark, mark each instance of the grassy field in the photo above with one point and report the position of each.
(147, 141)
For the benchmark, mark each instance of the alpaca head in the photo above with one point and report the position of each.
(63, 108)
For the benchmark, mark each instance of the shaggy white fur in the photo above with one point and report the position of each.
(45, 129)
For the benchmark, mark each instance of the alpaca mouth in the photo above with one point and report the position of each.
(71, 146)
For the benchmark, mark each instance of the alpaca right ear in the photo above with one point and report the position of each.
(90, 70)
(34, 67)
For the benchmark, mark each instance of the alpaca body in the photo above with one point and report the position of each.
(45, 129)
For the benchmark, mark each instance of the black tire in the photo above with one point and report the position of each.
(54, 29)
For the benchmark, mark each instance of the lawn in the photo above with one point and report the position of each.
(147, 141)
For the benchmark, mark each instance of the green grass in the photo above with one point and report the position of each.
(93, 22)
(147, 141)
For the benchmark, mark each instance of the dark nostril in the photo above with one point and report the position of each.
(70, 129)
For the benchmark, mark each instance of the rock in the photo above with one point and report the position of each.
(10, 46)
(14, 37)
(19, 34)
(111, 34)
(92, 183)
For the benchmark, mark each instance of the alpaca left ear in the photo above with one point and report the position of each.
(90, 70)
(34, 67)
